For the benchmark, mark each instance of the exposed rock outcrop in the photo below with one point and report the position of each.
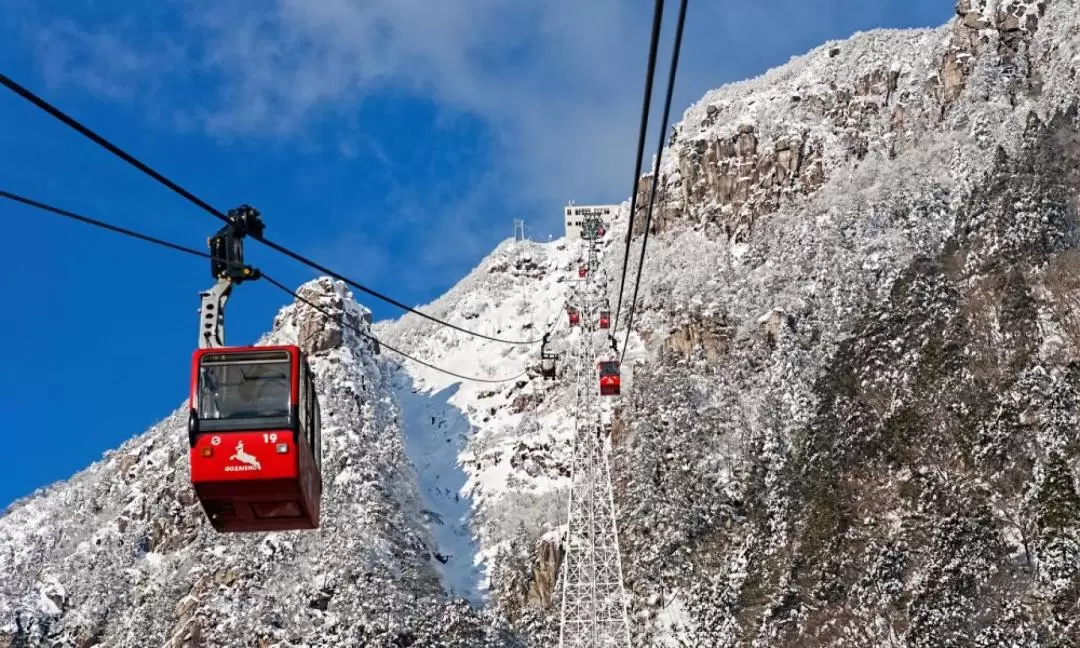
(549, 557)
(322, 329)
(756, 151)
(708, 335)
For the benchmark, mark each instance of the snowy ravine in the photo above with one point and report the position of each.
(121, 555)
(493, 457)
(435, 432)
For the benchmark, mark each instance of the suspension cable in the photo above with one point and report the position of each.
(115, 150)
(199, 253)
(650, 70)
(102, 224)
(680, 23)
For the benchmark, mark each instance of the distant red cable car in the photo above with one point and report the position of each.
(582, 271)
(254, 427)
(605, 319)
(575, 317)
(609, 377)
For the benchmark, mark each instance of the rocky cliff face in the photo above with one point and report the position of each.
(746, 149)
(915, 486)
(856, 424)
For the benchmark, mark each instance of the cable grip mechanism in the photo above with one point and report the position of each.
(228, 267)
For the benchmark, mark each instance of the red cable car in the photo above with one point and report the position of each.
(609, 377)
(582, 271)
(605, 319)
(255, 437)
(575, 317)
(254, 427)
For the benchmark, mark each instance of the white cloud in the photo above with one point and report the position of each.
(557, 82)
(102, 61)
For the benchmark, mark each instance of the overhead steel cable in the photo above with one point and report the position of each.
(650, 71)
(205, 255)
(104, 143)
(115, 150)
(680, 23)
(386, 298)
(102, 224)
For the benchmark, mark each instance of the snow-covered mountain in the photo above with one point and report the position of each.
(494, 459)
(851, 419)
(857, 427)
(121, 554)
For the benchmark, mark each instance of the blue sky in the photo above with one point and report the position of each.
(394, 140)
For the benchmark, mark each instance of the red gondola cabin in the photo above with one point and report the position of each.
(582, 271)
(609, 377)
(255, 436)
(575, 317)
(605, 319)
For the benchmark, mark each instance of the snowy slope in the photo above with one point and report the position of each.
(494, 455)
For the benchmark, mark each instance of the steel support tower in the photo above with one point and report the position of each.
(590, 231)
(594, 604)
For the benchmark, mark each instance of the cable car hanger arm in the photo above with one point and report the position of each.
(227, 265)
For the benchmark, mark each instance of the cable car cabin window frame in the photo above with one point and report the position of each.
(285, 420)
(612, 367)
(316, 421)
(310, 419)
(303, 410)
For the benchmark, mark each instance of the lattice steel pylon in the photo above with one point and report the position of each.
(594, 605)
(590, 231)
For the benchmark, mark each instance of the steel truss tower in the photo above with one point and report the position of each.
(594, 604)
(590, 231)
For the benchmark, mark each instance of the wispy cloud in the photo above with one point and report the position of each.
(556, 81)
(550, 79)
(107, 62)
